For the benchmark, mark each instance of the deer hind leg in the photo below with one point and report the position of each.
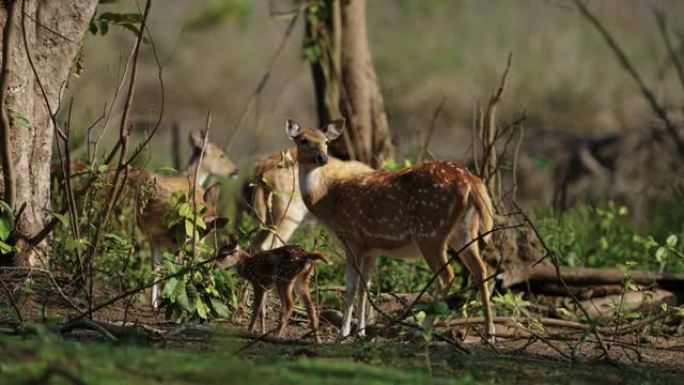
(257, 307)
(287, 306)
(352, 284)
(367, 268)
(472, 260)
(302, 289)
(435, 254)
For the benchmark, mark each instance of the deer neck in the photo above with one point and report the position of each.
(313, 184)
(202, 174)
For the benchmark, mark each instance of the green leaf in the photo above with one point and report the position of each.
(5, 248)
(220, 308)
(170, 288)
(180, 295)
(61, 217)
(193, 297)
(671, 240)
(202, 310)
(92, 27)
(660, 253)
(5, 228)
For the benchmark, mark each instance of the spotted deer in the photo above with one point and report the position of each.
(276, 199)
(155, 192)
(284, 268)
(421, 210)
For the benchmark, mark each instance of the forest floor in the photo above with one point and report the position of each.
(222, 353)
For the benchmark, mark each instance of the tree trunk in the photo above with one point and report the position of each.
(345, 81)
(53, 33)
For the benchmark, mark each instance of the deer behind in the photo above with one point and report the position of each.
(421, 210)
(276, 198)
(155, 192)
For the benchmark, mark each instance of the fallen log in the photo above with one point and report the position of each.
(586, 276)
(610, 307)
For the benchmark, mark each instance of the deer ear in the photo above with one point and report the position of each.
(333, 130)
(196, 139)
(292, 128)
(211, 195)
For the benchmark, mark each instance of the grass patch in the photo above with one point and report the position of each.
(46, 359)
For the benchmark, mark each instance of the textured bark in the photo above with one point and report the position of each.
(54, 30)
(346, 84)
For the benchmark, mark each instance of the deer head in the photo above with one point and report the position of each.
(214, 162)
(230, 253)
(312, 144)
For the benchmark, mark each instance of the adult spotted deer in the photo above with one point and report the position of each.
(276, 198)
(420, 210)
(155, 192)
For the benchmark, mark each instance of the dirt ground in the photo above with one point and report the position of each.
(526, 350)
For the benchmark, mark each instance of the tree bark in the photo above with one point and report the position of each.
(346, 84)
(48, 36)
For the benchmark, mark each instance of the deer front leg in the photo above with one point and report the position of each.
(257, 305)
(352, 280)
(367, 268)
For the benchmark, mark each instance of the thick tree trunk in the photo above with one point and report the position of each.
(346, 84)
(53, 33)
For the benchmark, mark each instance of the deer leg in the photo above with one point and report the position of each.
(302, 289)
(436, 257)
(156, 257)
(262, 313)
(367, 268)
(352, 282)
(257, 305)
(473, 261)
(287, 306)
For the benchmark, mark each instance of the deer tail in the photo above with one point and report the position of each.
(480, 198)
(316, 256)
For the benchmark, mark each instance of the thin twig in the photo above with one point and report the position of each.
(627, 65)
(431, 130)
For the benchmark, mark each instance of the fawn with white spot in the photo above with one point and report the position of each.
(285, 268)
(420, 210)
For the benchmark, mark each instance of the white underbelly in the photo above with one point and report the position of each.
(408, 251)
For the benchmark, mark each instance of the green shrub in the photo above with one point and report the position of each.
(604, 236)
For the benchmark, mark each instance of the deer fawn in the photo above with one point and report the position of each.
(285, 268)
(156, 191)
(276, 198)
(420, 210)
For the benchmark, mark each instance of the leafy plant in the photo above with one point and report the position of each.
(200, 292)
(6, 224)
(604, 236)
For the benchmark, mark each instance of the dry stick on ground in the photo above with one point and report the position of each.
(14, 304)
(8, 177)
(431, 130)
(627, 65)
(554, 259)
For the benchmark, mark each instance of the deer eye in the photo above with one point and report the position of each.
(303, 142)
